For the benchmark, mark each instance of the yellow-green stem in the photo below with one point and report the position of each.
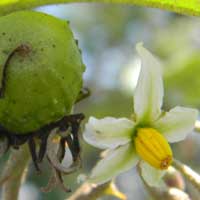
(191, 7)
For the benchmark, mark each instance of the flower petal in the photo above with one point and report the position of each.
(115, 162)
(177, 123)
(151, 175)
(108, 132)
(149, 90)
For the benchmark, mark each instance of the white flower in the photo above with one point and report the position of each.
(143, 138)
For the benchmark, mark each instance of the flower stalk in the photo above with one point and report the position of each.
(189, 174)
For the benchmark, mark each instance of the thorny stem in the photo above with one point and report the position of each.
(189, 174)
(14, 173)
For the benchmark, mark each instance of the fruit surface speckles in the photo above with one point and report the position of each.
(42, 85)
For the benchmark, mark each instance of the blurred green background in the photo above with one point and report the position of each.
(107, 35)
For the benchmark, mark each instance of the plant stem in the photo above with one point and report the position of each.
(90, 191)
(189, 174)
(14, 173)
(180, 6)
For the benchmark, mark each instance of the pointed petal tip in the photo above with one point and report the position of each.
(148, 95)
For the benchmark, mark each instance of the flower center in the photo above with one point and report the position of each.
(153, 148)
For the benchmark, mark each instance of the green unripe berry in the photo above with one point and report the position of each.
(44, 79)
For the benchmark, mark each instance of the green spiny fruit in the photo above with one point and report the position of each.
(44, 77)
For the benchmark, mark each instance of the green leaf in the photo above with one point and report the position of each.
(187, 7)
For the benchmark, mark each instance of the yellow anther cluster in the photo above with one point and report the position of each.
(153, 148)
